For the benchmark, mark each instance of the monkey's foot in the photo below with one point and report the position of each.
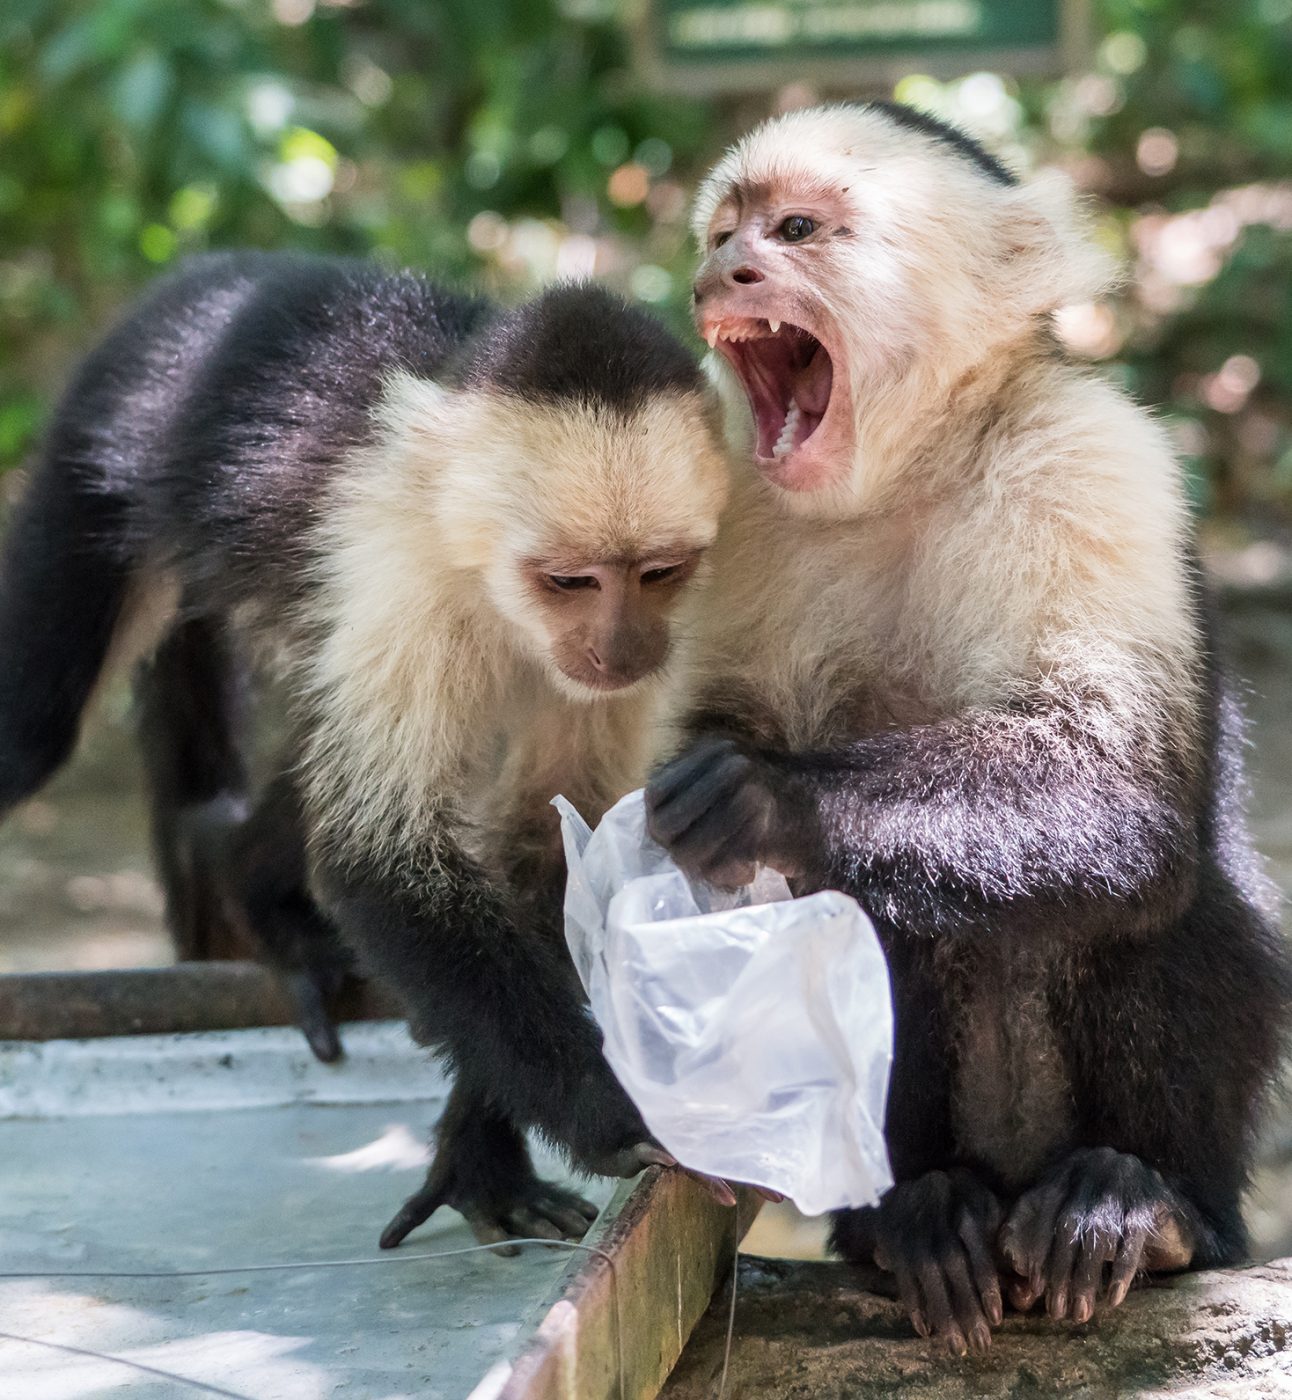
(936, 1234)
(313, 991)
(498, 1207)
(1085, 1231)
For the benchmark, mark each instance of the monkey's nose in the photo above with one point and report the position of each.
(746, 276)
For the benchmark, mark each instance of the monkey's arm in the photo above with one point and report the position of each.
(995, 820)
(499, 1000)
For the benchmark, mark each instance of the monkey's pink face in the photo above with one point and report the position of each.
(609, 623)
(761, 302)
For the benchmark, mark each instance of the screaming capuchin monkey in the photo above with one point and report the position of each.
(956, 661)
(458, 535)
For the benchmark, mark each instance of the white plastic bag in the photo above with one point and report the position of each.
(753, 1031)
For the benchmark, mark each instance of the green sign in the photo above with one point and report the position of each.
(745, 43)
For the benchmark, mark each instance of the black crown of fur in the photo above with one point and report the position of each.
(947, 135)
(579, 342)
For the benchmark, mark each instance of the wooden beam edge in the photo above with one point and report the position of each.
(616, 1333)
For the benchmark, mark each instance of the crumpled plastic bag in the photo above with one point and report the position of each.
(753, 1031)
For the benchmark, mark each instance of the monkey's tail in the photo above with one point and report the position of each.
(64, 579)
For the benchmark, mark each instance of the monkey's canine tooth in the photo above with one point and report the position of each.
(711, 335)
(775, 327)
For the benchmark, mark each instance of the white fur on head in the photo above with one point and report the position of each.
(940, 266)
(426, 627)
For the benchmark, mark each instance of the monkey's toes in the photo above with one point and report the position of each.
(934, 1235)
(1087, 1229)
(417, 1209)
(628, 1161)
(539, 1211)
(310, 996)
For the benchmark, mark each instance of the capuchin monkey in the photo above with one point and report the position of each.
(956, 661)
(458, 537)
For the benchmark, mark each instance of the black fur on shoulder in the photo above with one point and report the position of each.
(580, 343)
(947, 135)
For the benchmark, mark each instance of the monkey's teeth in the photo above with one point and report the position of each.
(775, 327)
(785, 442)
(711, 335)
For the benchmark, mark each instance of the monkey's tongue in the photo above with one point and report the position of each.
(812, 384)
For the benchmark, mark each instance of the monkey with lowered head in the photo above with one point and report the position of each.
(458, 535)
(956, 660)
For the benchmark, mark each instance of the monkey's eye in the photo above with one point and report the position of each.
(568, 583)
(720, 238)
(662, 574)
(796, 228)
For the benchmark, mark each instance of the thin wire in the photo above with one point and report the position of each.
(294, 1265)
(391, 1258)
(123, 1361)
(731, 1312)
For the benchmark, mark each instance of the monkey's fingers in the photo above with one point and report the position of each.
(938, 1311)
(715, 1186)
(1129, 1261)
(982, 1266)
(532, 1224)
(942, 1298)
(1096, 1254)
(491, 1232)
(415, 1211)
(557, 1209)
(689, 810)
(1026, 1239)
(908, 1290)
(966, 1301)
(1064, 1248)
(676, 777)
(628, 1161)
(313, 1017)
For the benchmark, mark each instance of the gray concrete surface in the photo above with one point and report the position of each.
(193, 1152)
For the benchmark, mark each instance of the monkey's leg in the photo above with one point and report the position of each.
(268, 877)
(63, 581)
(1173, 1043)
(497, 998)
(482, 1169)
(235, 882)
(935, 1230)
(1089, 1227)
(191, 722)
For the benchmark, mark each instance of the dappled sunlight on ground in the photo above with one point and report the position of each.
(396, 1149)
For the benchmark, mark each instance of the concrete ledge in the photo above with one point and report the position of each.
(812, 1331)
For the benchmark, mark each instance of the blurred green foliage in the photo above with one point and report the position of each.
(510, 141)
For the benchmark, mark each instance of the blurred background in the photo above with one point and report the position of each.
(511, 141)
(507, 142)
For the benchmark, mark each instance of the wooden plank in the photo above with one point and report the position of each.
(615, 1333)
(193, 996)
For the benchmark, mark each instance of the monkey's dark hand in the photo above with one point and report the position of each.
(608, 1137)
(501, 1199)
(936, 1234)
(1085, 1230)
(721, 811)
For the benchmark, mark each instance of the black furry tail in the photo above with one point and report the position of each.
(63, 585)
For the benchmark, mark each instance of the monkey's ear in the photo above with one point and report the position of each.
(1048, 246)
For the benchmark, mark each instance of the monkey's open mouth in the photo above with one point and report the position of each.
(788, 376)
